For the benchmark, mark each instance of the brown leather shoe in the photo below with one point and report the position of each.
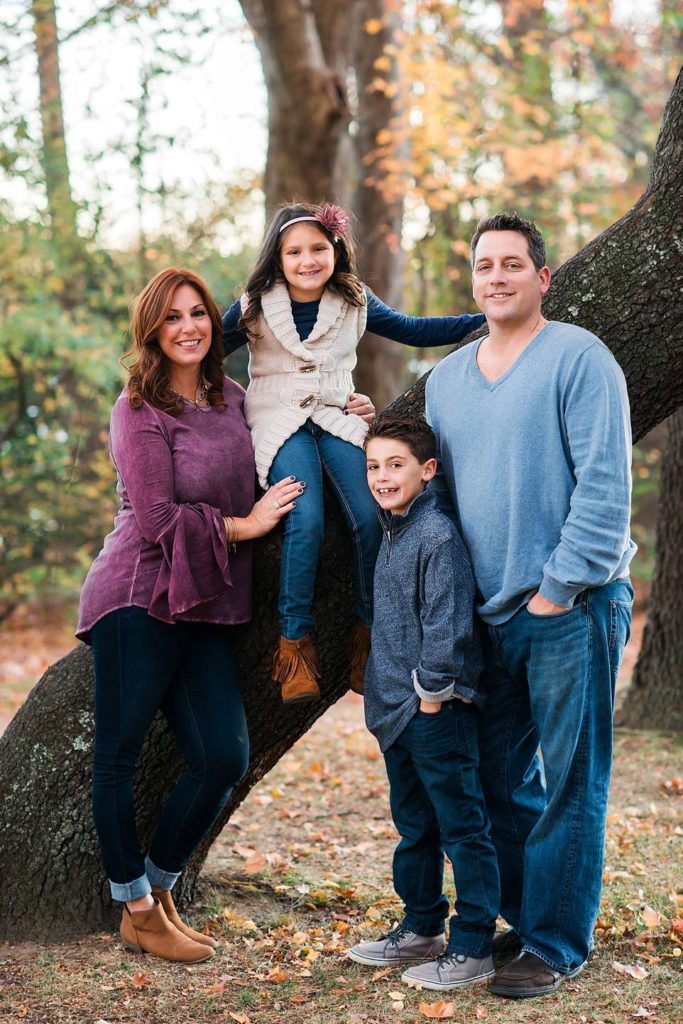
(295, 668)
(166, 900)
(150, 931)
(359, 649)
(527, 975)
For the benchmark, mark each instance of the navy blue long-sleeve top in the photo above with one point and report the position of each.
(418, 331)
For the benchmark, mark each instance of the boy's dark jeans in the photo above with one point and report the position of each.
(187, 670)
(438, 806)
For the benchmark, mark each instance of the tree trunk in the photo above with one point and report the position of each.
(655, 698)
(61, 207)
(379, 372)
(308, 106)
(626, 286)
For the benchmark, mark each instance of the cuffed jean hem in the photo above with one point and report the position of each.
(160, 879)
(135, 890)
(423, 926)
(526, 948)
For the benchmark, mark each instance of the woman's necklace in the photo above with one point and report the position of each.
(203, 388)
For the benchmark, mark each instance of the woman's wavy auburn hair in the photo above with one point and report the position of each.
(268, 268)
(149, 371)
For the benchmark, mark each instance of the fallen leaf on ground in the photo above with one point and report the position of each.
(633, 970)
(140, 979)
(276, 976)
(652, 918)
(215, 990)
(373, 914)
(480, 1011)
(642, 1012)
(298, 999)
(400, 996)
(241, 1018)
(440, 1010)
(380, 974)
(255, 863)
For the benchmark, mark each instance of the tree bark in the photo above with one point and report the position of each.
(308, 105)
(626, 286)
(655, 697)
(379, 372)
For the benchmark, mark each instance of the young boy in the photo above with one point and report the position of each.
(421, 702)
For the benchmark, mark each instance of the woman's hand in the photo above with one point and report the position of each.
(268, 510)
(360, 405)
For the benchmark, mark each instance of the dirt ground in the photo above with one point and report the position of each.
(303, 870)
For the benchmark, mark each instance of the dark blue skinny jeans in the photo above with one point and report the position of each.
(188, 671)
(550, 684)
(308, 453)
(438, 806)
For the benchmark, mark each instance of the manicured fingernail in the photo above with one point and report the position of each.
(293, 504)
(292, 478)
(301, 490)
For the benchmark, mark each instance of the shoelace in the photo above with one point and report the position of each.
(450, 959)
(396, 935)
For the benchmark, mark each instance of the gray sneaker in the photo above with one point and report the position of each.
(399, 946)
(450, 970)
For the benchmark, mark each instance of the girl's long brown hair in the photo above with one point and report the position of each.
(149, 373)
(267, 271)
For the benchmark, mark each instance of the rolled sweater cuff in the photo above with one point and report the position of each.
(560, 593)
(432, 696)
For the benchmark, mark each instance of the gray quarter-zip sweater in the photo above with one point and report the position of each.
(423, 640)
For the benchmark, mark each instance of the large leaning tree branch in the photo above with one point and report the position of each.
(625, 286)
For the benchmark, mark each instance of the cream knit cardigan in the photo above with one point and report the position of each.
(291, 381)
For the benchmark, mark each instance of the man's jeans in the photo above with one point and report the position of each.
(437, 805)
(187, 670)
(305, 455)
(550, 683)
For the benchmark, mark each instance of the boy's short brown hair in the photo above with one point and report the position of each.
(411, 430)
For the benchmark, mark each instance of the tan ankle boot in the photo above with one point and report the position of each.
(150, 931)
(166, 900)
(359, 649)
(295, 667)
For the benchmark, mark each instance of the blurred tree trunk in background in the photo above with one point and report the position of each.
(329, 64)
(626, 286)
(68, 279)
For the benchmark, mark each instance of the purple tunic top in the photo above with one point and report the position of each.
(177, 478)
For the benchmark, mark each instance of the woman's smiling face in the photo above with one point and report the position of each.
(307, 259)
(185, 335)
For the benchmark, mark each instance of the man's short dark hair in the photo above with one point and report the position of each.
(411, 430)
(510, 220)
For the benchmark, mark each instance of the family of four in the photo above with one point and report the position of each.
(491, 552)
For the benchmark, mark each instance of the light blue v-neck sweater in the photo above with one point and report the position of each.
(538, 464)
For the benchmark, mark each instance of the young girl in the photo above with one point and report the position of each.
(303, 313)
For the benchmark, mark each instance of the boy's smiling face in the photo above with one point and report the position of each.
(395, 476)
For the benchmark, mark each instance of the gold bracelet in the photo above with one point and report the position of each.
(231, 533)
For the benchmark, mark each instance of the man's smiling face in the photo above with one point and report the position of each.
(506, 285)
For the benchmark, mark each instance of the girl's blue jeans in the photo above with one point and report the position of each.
(550, 684)
(188, 671)
(307, 454)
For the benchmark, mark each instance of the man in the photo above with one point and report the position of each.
(535, 448)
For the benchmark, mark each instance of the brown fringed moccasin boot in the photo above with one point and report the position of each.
(359, 649)
(295, 668)
(166, 900)
(150, 931)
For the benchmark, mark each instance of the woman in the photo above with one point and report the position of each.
(163, 600)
